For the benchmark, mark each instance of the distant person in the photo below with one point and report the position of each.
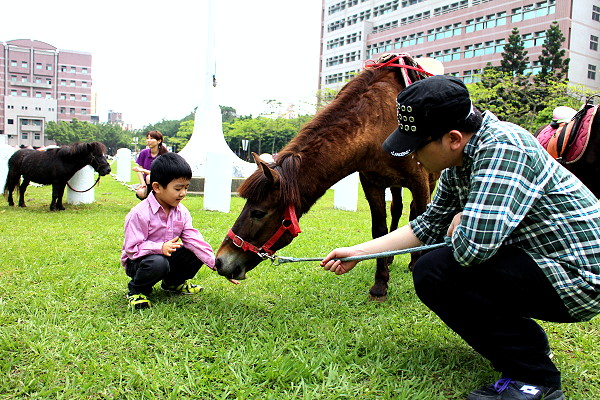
(154, 141)
(160, 242)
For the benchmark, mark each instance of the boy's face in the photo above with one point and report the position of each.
(170, 196)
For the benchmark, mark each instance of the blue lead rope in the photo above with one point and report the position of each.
(281, 260)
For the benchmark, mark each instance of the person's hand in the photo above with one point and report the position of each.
(170, 246)
(455, 222)
(136, 169)
(336, 266)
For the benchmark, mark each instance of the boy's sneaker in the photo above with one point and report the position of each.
(138, 301)
(507, 389)
(185, 288)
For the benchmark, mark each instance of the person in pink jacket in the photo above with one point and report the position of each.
(160, 242)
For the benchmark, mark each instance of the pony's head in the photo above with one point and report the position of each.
(265, 224)
(97, 155)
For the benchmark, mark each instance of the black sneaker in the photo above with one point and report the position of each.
(507, 389)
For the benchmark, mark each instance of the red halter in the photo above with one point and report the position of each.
(289, 223)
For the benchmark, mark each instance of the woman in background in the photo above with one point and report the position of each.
(154, 141)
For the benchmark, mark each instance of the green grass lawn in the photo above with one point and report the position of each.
(287, 332)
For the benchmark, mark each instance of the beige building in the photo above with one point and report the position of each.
(464, 34)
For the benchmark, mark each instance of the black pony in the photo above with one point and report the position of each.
(52, 166)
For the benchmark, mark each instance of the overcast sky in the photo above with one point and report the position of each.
(148, 56)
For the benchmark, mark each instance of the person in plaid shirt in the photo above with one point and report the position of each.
(523, 236)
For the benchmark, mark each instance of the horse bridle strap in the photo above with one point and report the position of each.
(391, 63)
(83, 191)
(289, 224)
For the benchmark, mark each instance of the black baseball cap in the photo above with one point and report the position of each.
(428, 108)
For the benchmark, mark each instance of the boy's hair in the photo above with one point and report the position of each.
(168, 167)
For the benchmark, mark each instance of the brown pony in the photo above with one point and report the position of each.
(344, 137)
(587, 167)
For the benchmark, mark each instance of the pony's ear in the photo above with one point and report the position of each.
(270, 174)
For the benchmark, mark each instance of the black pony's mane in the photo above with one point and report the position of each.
(78, 149)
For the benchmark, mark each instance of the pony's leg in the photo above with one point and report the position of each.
(11, 183)
(58, 189)
(22, 190)
(376, 198)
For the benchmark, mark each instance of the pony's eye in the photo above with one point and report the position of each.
(257, 214)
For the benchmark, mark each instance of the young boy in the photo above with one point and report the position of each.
(152, 250)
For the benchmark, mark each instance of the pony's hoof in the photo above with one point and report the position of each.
(379, 299)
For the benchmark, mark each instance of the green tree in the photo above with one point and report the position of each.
(70, 132)
(113, 137)
(186, 128)
(514, 58)
(553, 64)
(167, 127)
(228, 113)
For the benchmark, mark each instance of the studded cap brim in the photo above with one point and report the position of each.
(400, 143)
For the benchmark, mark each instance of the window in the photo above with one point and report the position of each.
(38, 66)
(591, 72)
(13, 92)
(72, 111)
(63, 96)
(593, 42)
(23, 93)
(72, 97)
(38, 95)
(63, 83)
(73, 70)
(48, 95)
(36, 136)
(48, 67)
(24, 122)
(24, 64)
(13, 63)
(10, 121)
(72, 83)
(23, 79)
(13, 78)
(84, 70)
(596, 13)
(24, 135)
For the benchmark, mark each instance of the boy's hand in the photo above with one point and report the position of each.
(170, 246)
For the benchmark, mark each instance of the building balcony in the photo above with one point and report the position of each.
(31, 85)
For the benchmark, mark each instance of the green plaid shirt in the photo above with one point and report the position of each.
(511, 191)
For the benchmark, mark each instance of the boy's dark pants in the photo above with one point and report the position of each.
(147, 271)
(491, 306)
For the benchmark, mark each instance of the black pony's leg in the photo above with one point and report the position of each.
(22, 190)
(11, 182)
(58, 189)
(376, 198)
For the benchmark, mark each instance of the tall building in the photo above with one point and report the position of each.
(38, 84)
(465, 35)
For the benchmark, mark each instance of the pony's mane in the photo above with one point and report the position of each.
(77, 149)
(257, 186)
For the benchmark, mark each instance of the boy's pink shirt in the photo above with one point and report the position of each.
(147, 227)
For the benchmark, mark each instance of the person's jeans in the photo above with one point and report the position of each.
(146, 271)
(491, 306)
